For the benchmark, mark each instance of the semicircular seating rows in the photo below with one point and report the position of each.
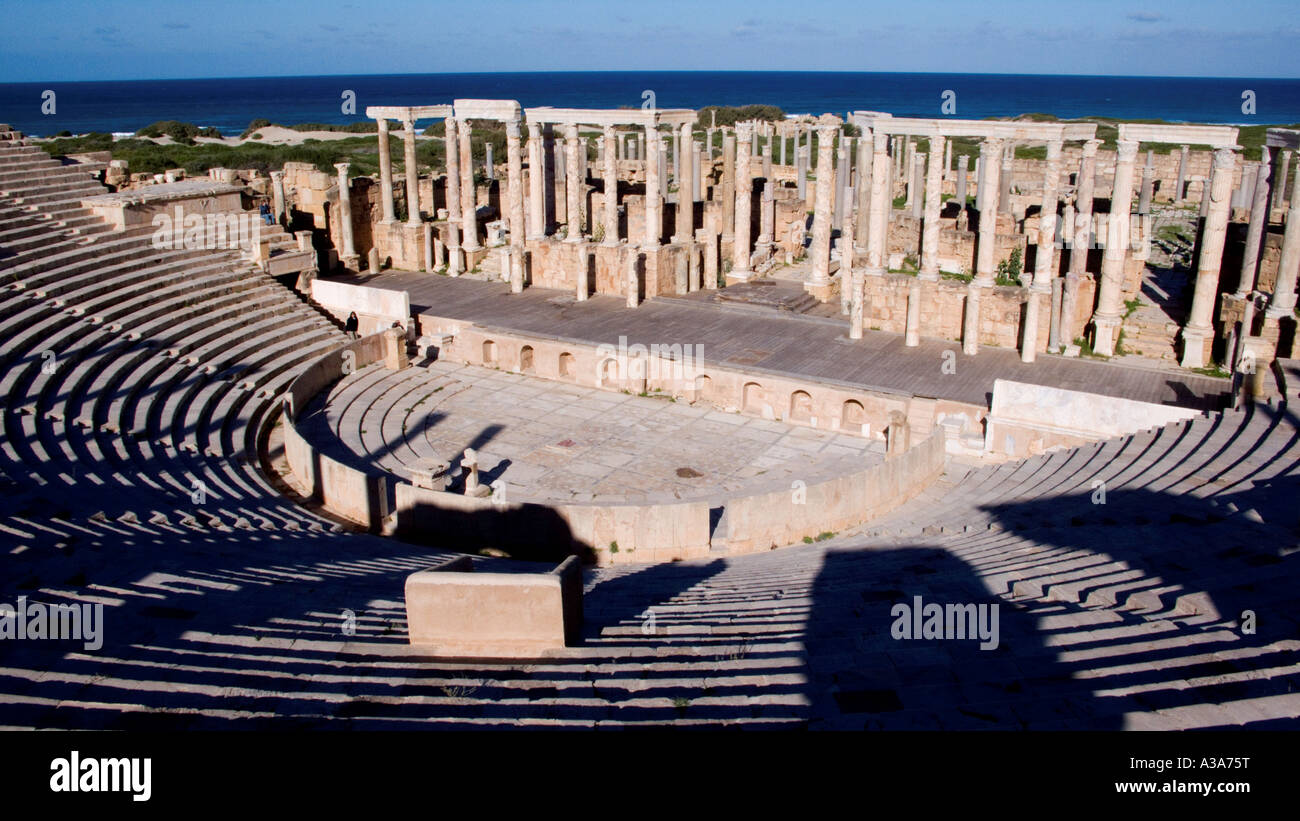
(1122, 571)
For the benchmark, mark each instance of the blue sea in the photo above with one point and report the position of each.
(229, 104)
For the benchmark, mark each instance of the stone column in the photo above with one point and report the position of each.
(385, 172)
(677, 159)
(1180, 184)
(933, 207)
(881, 197)
(451, 152)
(801, 173)
(536, 180)
(1029, 331)
(277, 195)
(1054, 326)
(821, 238)
(1148, 185)
(970, 343)
(468, 198)
(1279, 187)
(963, 170)
(782, 149)
(685, 193)
(412, 174)
(697, 170)
(766, 154)
(580, 283)
(653, 215)
(1198, 331)
(947, 160)
(1258, 224)
(862, 191)
(912, 330)
(1008, 170)
(1106, 319)
(349, 252)
(1083, 208)
(611, 187)
(850, 281)
(1282, 303)
(572, 185)
(515, 179)
(631, 282)
(740, 250)
(710, 251)
(766, 217)
(1045, 256)
(842, 163)
(489, 171)
(728, 187)
(986, 256)
(979, 183)
(915, 183)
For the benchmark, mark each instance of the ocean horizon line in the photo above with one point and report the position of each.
(551, 72)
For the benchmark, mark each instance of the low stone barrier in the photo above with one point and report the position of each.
(455, 611)
(1025, 419)
(776, 518)
(376, 308)
(605, 534)
(354, 494)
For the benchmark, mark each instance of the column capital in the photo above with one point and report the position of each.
(1054, 148)
(1126, 151)
(464, 128)
(408, 125)
(1224, 158)
(880, 142)
(571, 131)
(534, 130)
(382, 123)
(608, 132)
(1090, 148)
(342, 168)
(827, 131)
(277, 175)
(512, 129)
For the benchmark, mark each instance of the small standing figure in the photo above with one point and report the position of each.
(350, 327)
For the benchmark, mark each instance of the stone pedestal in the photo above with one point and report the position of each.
(395, 357)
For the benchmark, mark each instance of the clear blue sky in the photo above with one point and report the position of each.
(60, 40)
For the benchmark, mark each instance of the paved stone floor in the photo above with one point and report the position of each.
(794, 344)
(549, 441)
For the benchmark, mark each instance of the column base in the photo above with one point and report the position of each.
(1105, 334)
(823, 290)
(350, 262)
(736, 277)
(1197, 344)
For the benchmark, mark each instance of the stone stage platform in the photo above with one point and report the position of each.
(784, 343)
